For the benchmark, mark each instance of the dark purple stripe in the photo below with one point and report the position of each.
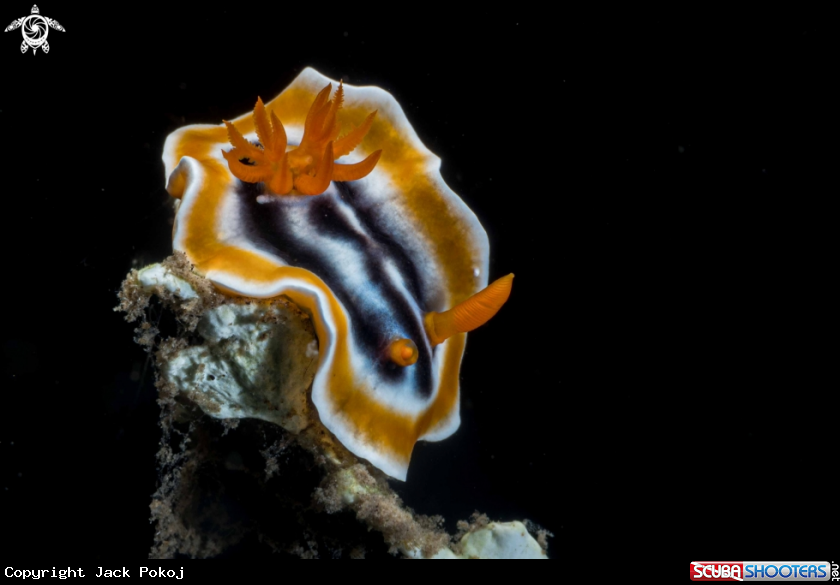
(267, 228)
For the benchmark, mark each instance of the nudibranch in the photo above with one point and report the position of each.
(360, 230)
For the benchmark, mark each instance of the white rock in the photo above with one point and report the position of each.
(497, 540)
(508, 540)
(255, 360)
(157, 275)
(445, 554)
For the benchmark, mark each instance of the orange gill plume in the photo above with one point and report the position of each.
(469, 314)
(309, 168)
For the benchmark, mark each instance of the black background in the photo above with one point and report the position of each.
(653, 183)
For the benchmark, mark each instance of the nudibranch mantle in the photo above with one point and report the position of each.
(370, 259)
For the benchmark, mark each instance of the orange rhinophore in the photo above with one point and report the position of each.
(469, 314)
(310, 167)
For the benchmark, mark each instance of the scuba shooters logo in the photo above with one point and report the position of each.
(789, 571)
(35, 29)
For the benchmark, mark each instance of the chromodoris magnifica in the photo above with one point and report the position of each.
(359, 229)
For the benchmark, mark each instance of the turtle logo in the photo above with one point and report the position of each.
(35, 28)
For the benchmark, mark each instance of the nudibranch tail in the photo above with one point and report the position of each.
(310, 167)
(469, 314)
